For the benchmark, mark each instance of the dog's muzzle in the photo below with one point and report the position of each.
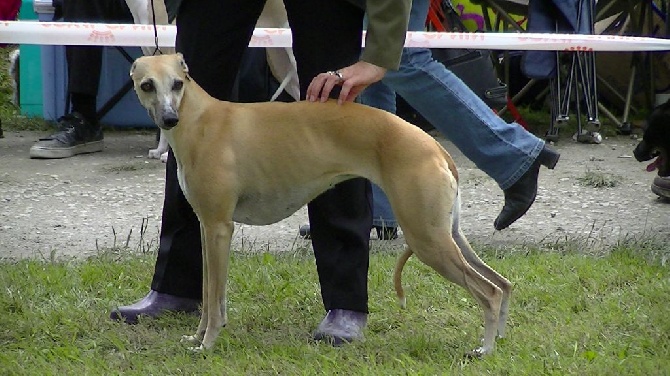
(643, 152)
(169, 121)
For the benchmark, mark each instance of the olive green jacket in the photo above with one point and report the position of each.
(387, 27)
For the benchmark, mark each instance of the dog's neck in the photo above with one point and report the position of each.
(194, 101)
(194, 104)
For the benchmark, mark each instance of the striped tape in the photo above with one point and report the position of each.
(75, 33)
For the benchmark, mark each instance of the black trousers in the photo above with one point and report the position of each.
(84, 63)
(212, 35)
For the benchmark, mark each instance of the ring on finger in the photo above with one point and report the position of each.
(336, 73)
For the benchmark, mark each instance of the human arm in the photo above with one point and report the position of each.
(384, 41)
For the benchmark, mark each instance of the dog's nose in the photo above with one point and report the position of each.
(169, 121)
(642, 152)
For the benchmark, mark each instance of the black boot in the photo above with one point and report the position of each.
(521, 195)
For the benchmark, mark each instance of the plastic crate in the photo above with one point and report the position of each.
(115, 67)
(30, 69)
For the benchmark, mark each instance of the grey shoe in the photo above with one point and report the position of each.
(341, 326)
(154, 305)
(305, 232)
(74, 136)
(661, 186)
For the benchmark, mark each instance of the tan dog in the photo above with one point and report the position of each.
(258, 163)
(280, 60)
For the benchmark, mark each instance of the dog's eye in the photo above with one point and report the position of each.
(147, 86)
(177, 85)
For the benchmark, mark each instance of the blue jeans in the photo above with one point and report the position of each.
(503, 151)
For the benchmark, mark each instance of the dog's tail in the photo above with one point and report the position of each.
(397, 276)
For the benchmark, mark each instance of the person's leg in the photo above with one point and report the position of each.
(340, 218)
(506, 152)
(212, 53)
(85, 62)
(212, 50)
(79, 131)
(379, 95)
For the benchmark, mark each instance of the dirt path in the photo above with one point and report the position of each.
(73, 206)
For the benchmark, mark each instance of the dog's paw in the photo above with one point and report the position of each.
(479, 352)
(192, 339)
(197, 349)
(474, 354)
(155, 154)
(164, 157)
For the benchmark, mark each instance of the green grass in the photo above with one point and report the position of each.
(598, 179)
(574, 311)
(571, 314)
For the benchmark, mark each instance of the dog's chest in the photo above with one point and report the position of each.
(270, 203)
(263, 202)
(264, 207)
(183, 183)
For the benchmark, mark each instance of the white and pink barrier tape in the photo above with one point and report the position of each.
(74, 33)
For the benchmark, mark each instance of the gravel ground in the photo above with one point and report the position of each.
(76, 206)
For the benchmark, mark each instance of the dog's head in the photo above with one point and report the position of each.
(656, 141)
(159, 84)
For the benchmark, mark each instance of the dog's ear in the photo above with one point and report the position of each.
(132, 68)
(183, 65)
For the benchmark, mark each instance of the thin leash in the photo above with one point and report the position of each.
(153, 15)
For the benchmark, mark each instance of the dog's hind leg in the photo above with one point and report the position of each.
(448, 261)
(483, 269)
(433, 244)
(426, 217)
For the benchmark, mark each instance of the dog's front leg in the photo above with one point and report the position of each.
(161, 150)
(216, 243)
(196, 339)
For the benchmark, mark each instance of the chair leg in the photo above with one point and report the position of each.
(125, 89)
(114, 100)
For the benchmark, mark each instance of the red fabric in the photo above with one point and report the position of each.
(515, 112)
(9, 9)
(435, 17)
